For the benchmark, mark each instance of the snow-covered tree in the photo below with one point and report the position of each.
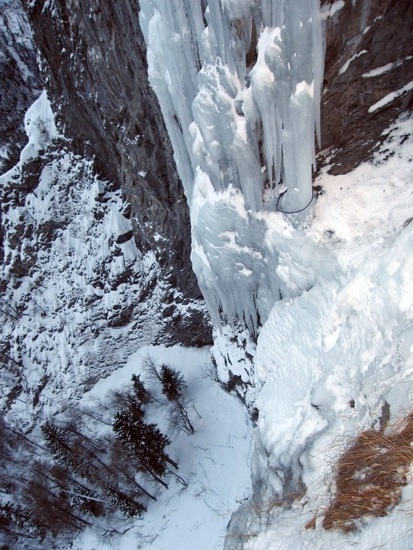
(57, 442)
(126, 503)
(173, 386)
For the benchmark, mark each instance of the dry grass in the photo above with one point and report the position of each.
(370, 475)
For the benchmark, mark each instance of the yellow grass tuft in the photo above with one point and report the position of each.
(370, 475)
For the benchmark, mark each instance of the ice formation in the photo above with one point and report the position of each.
(40, 128)
(331, 361)
(239, 87)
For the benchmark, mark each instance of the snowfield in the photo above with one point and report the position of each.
(214, 461)
(332, 359)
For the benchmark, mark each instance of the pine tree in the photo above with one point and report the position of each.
(81, 496)
(127, 423)
(179, 420)
(141, 393)
(16, 524)
(125, 467)
(127, 504)
(173, 386)
(172, 383)
(51, 508)
(58, 444)
(16, 515)
(145, 442)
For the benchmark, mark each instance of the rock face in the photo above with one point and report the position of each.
(20, 82)
(95, 64)
(369, 54)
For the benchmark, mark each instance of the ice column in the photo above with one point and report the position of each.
(286, 84)
(242, 134)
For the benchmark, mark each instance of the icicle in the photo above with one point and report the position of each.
(218, 119)
(318, 64)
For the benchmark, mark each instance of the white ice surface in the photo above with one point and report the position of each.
(219, 116)
(329, 358)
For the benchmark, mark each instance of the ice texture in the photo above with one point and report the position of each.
(40, 128)
(242, 128)
(331, 361)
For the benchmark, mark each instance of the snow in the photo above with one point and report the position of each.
(391, 97)
(386, 68)
(66, 279)
(334, 295)
(330, 9)
(352, 58)
(328, 359)
(214, 460)
(40, 128)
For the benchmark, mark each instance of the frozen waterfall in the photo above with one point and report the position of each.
(239, 86)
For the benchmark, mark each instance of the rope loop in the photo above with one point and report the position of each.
(293, 211)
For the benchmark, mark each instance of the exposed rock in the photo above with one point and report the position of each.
(20, 84)
(360, 37)
(20, 79)
(95, 61)
(76, 296)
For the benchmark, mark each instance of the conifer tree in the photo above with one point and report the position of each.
(173, 386)
(141, 393)
(172, 383)
(16, 515)
(58, 444)
(144, 441)
(126, 503)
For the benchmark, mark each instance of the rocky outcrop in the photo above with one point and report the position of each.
(369, 54)
(95, 64)
(20, 80)
(20, 85)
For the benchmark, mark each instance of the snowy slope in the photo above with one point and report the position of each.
(329, 359)
(214, 461)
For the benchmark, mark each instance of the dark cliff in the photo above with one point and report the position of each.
(95, 59)
(20, 85)
(95, 68)
(369, 54)
(20, 80)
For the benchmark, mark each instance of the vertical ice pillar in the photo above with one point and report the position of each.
(173, 66)
(226, 119)
(286, 85)
(196, 64)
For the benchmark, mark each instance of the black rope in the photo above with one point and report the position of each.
(293, 211)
